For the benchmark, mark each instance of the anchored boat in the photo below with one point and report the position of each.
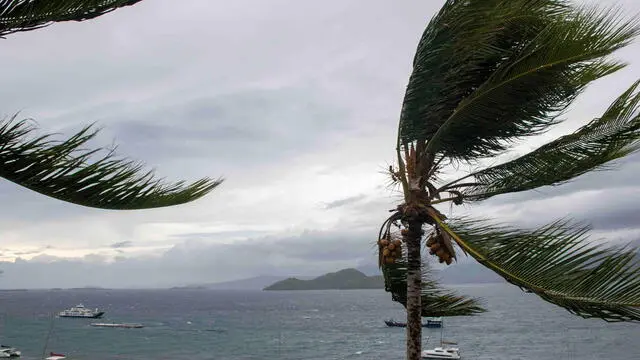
(55, 356)
(79, 311)
(9, 352)
(444, 351)
(124, 325)
(431, 323)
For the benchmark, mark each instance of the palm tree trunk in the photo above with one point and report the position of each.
(414, 287)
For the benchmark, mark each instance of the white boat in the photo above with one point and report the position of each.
(444, 351)
(124, 325)
(9, 352)
(79, 311)
(441, 352)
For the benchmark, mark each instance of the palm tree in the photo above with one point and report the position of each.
(486, 74)
(66, 170)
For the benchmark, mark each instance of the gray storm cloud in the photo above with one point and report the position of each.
(294, 103)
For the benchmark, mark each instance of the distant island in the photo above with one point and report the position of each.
(346, 279)
(189, 287)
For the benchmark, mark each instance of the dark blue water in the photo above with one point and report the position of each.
(201, 324)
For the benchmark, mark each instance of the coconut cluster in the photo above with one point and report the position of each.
(391, 250)
(437, 246)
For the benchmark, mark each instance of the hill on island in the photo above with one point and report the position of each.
(340, 280)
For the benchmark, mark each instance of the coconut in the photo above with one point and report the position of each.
(404, 232)
(391, 246)
(397, 242)
(386, 252)
(384, 242)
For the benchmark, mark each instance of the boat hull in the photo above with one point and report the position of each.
(6, 355)
(9, 352)
(400, 324)
(9, 356)
(436, 356)
(125, 326)
(439, 353)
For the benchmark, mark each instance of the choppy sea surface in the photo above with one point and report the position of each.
(204, 324)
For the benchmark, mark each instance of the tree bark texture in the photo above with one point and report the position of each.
(414, 287)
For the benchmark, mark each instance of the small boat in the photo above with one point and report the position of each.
(54, 356)
(431, 323)
(441, 352)
(123, 325)
(393, 323)
(444, 351)
(79, 311)
(9, 352)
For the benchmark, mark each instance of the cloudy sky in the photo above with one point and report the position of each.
(294, 103)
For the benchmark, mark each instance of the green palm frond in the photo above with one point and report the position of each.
(24, 15)
(610, 137)
(487, 72)
(557, 263)
(65, 171)
(435, 300)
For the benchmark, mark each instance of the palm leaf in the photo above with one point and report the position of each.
(24, 15)
(558, 264)
(487, 72)
(612, 136)
(435, 300)
(65, 171)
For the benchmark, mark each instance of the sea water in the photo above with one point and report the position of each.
(207, 324)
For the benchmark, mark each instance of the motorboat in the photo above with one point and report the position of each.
(79, 311)
(123, 325)
(9, 352)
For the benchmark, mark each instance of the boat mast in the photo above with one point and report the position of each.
(46, 342)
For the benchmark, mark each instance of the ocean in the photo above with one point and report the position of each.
(322, 325)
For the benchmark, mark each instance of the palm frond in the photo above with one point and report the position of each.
(24, 15)
(435, 300)
(612, 136)
(487, 72)
(65, 171)
(557, 263)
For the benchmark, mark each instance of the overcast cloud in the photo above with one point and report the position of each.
(294, 103)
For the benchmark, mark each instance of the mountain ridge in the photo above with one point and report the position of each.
(346, 279)
(460, 273)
